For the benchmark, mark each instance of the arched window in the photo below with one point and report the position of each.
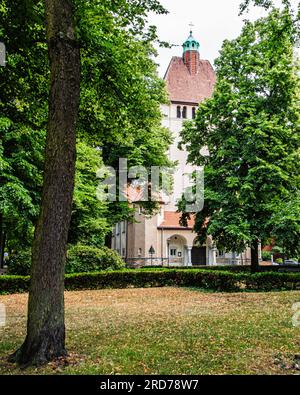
(184, 112)
(178, 112)
(194, 112)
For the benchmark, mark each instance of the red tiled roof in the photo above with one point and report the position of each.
(171, 221)
(184, 87)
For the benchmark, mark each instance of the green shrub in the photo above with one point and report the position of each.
(279, 261)
(266, 255)
(277, 250)
(19, 263)
(222, 268)
(82, 259)
(202, 279)
(14, 284)
(272, 281)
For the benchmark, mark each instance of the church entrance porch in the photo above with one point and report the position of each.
(176, 250)
(184, 250)
(199, 256)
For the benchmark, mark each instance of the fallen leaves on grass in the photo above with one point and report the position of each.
(167, 331)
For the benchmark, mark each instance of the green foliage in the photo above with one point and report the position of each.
(121, 91)
(151, 278)
(251, 129)
(266, 255)
(205, 279)
(119, 112)
(272, 281)
(82, 258)
(285, 221)
(19, 262)
(234, 268)
(277, 250)
(23, 112)
(279, 261)
(263, 3)
(90, 217)
(14, 284)
(291, 6)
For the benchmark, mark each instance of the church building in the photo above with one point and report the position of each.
(160, 239)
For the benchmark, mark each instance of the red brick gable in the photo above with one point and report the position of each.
(172, 219)
(184, 87)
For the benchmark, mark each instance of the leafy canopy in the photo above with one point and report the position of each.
(119, 111)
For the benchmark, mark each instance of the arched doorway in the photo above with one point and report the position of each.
(199, 254)
(176, 250)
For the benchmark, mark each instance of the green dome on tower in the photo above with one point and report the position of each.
(191, 44)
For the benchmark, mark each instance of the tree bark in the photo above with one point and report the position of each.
(254, 257)
(1, 242)
(45, 338)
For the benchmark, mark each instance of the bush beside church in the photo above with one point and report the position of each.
(80, 259)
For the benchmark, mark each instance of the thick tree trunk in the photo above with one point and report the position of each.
(45, 338)
(254, 257)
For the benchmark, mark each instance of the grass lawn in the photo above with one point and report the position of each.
(167, 331)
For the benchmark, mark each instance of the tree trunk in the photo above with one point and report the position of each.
(2, 248)
(1, 242)
(254, 257)
(45, 338)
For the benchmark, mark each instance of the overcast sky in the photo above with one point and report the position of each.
(214, 21)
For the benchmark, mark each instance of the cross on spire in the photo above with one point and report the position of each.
(191, 25)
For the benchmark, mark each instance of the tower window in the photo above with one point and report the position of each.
(178, 112)
(194, 112)
(184, 112)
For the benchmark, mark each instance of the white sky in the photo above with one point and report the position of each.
(214, 21)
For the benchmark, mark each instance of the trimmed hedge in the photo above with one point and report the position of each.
(14, 284)
(269, 281)
(227, 268)
(231, 268)
(204, 279)
(146, 279)
(19, 263)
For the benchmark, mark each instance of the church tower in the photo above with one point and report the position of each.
(191, 56)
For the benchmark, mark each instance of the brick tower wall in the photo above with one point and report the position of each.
(192, 61)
